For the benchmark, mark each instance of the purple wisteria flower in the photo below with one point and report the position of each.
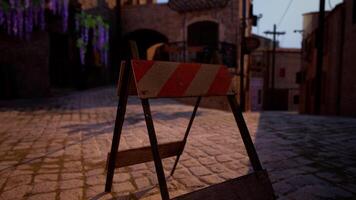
(2, 16)
(82, 55)
(100, 39)
(12, 4)
(20, 22)
(14, 22)
(36, 13)
(65, 15)
(42, 19)
(8, 22)
(19, 17)
(27, 4)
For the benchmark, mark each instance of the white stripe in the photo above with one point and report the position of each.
(202, 81)
(153, 81)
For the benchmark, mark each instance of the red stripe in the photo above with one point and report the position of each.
(140, 68)
(221, 83)
(180, 80)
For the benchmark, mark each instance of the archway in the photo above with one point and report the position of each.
(203, 33)
(203, 41)
(144, 38)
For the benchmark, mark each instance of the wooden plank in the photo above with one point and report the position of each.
(123, 66)
(132, 85)
(144, 154)
(255, 186)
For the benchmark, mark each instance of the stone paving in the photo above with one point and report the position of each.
(56, 149)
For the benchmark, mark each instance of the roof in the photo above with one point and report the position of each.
(328, 15)
(261, 37)
(196, 5)
(284, 50)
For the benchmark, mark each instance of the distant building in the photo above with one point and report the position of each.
(285, 95)
(138, 2)
(338, 92)
(258, 73)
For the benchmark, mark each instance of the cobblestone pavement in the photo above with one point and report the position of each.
(56, 149)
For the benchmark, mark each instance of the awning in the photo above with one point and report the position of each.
(196, 5)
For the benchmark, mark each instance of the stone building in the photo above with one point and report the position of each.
(338, 83)
(285, 96)
(258, 71)
(197, 32)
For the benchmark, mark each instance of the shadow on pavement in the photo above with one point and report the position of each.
(307, 157)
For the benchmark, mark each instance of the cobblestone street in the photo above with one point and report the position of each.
(56, 148)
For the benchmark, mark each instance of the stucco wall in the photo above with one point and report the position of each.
(348, 97)
(24, 66)
(339, 66)
(173, 25)
(290, 61)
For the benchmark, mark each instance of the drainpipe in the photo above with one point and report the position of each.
(319, 65)
(339, 77)
(242, 56)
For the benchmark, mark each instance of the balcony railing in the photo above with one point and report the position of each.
(225, 53)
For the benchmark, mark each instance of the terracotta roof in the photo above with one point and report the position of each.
(288, 50)
(196, 5)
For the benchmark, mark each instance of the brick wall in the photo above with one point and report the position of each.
(24, 66)
(348, 95)
(338, 80)
(173, 25)
(288, 63)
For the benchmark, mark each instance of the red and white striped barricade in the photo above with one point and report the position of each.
(156, 79)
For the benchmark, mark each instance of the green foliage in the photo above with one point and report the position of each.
(81, 44)
(90, 21)
(5, 6)
(36, 2)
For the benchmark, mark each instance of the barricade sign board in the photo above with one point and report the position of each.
(156, 79)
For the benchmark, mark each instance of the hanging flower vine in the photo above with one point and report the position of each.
(100, 40)
(20, 17)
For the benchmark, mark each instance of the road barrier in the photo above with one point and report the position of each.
(155, 79)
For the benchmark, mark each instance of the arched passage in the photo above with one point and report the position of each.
(203, 33)
(145, 38)
(203, 42)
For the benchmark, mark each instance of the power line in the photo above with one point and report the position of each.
(285, 13)
(330, 5)
(274, 33)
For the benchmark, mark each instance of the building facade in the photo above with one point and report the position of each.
(338, 92)
(200, 35)
(285, 95)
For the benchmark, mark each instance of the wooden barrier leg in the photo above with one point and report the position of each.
(119, 121)
(186, 134)
(246, 138)
(155, 152)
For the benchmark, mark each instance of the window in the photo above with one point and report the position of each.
(282, 72)
(259, 99)
(298, 78)
(296, 99)
(354, 12)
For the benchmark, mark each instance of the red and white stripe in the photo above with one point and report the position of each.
(157, 79)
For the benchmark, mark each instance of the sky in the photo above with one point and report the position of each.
(272, 12)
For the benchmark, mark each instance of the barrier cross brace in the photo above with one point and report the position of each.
(155, 79)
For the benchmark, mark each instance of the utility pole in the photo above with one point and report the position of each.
(319, 64)
(242, 57)
(274, 33)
